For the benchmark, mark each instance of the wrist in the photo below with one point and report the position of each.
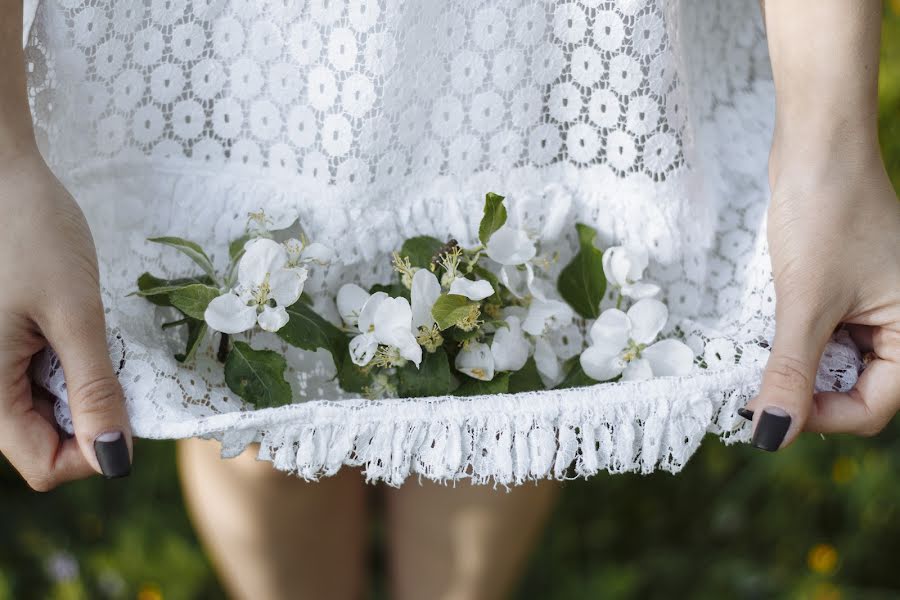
(815, 148)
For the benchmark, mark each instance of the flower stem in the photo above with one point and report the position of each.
(619, 301)
(224, 347)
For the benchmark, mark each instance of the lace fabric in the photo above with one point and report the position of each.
(375, 120)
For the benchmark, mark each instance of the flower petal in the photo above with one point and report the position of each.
(669, 358)
(408, 346)
(317, 253)
(510, 246)
(648, 317)
(639, 290)
(616, 264)
(600, 364)
(362, 349)
(637, 369)
(273, 319)
(261, 257)
(476, 360)
(547, 363)
(229, 314)
(286, 285)
(424, 292)
(367, 314)
(509, 347)
(547, 315)
(612, 328)
(350, 301)
(393, 321)
(473, 290)
(517, 280)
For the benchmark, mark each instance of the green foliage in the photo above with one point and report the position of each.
(431, 378)
(192, 300)
(494, 217)
(157, 290)
(189, 249)
(526, 379)
(257, 376)
(450, 309)
(420, 250)
(196, 334)
(305, 329)
(582, 283)
(475, 387)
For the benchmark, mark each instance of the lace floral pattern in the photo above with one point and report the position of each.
(382, 119)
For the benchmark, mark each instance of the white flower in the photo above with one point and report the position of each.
(424, 291)
(300, 253)
(518, 279)
(509, 347)
(350, 300)
(381, 320)
(473, 290)
(547, 315)
(624, 267)
(619, 345)
(547, 363)
(510, 246)
(266, 285)
(476, 360)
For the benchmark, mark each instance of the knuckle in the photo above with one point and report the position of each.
(98, 396)
(787, 374)
(40, 482)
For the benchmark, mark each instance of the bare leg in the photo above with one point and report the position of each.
(272, 535)
(463, 543)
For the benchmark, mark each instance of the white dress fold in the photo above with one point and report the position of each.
(377, 120)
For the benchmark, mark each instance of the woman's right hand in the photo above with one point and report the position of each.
(51, 297)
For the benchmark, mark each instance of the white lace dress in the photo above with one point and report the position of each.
(377, 120)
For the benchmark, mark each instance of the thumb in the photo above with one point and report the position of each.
(94, 394)
(782, 406)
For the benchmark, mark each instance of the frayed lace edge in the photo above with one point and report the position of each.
(501, 439)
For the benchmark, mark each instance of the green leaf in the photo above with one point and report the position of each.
(196, 334)
(236, 247)
(306, 330)
(157, 290)
(257, 376)
(352, 378)
(582, 283)
(450, 309)
(192, 300)
(526, 379)
(575, 375)
(431, 378)
(475, 387)
(420, 250)
(494, 217)
(191, 249)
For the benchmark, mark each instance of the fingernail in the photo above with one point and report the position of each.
(772, 427)
(112, 454)
(746, 413)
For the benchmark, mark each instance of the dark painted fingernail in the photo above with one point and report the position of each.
(746, 413)
(112, 454)
(773, 425)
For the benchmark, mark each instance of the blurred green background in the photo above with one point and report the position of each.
(820, 520)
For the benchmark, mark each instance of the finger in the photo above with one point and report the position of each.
(862, 337)
(785, 397)
(94, 394)
(864, 410)
(31, 441)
